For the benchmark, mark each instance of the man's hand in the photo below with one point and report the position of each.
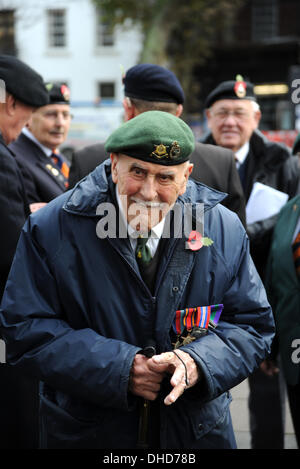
(183, 377)
(269, 367)
(143, 381)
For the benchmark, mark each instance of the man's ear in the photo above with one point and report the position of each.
(129, 109)
(179, 110)
(114, 170)
(257, 117)
(207, 115)
(187, 174)
(10, 104)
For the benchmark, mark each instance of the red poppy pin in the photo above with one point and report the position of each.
(196, 241)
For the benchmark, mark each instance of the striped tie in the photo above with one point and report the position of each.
(296, 253)
(59, 161)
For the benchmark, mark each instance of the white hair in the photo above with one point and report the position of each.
(255, 106)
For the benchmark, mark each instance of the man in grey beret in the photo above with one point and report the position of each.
(23, 90)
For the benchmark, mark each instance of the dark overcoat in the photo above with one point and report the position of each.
(76, 311)
(42, 178)
(284, 289)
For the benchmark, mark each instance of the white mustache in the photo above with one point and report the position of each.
(145, 203)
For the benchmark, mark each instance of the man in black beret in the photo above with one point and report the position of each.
(233, 116)
(45, 171)
(152, 87)
(24, 91)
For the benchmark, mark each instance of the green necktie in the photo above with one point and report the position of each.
(142, 252)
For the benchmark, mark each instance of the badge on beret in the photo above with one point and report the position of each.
(160, 151)
(65, 92)
(240, 87)
(175, 151)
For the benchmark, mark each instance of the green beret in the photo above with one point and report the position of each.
(154, 136)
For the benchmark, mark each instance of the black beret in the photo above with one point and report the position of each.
(152, 83)
(59, 93)
(231, 89)
(24, 83)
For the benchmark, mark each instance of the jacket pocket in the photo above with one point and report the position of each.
(194, 424)
(211, 415)
(61, 427)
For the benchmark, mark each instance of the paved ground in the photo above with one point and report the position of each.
(240, 418)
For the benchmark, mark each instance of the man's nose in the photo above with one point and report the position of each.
(230, 118)
(59, 119)
(148, 189)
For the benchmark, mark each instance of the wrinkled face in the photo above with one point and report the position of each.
(50, 124)
(147, 190)
(17, 114)
(232, 122)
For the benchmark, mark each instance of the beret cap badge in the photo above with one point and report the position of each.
(160, 151)
(240, 87)
(175, 151)
(65, 92)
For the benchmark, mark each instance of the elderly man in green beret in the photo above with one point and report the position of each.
(136, 326)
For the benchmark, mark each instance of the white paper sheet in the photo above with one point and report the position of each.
(264, 202)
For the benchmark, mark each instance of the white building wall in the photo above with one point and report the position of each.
(80, 63)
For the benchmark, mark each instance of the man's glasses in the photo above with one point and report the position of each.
(238, 114)
(54, 115)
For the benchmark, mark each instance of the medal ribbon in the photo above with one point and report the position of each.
(201, 316)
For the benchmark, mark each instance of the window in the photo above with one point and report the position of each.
(107, 90)
(56, 28)
(7, 32)
(264, 19)
(104, 31)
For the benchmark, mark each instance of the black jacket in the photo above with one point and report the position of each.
(213, 166)
(84, 161)
(18, 394)
(14, 209)
(271, 164)
(42, 179)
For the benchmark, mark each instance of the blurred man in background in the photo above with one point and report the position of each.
(152, 87)
(25, 91)
(45, 170)
(233, 117)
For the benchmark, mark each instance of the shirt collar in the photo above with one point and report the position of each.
(46, 150)
(156, 231)
(242, 153)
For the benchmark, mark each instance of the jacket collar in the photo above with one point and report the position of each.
(269, 154)
(95, 189)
